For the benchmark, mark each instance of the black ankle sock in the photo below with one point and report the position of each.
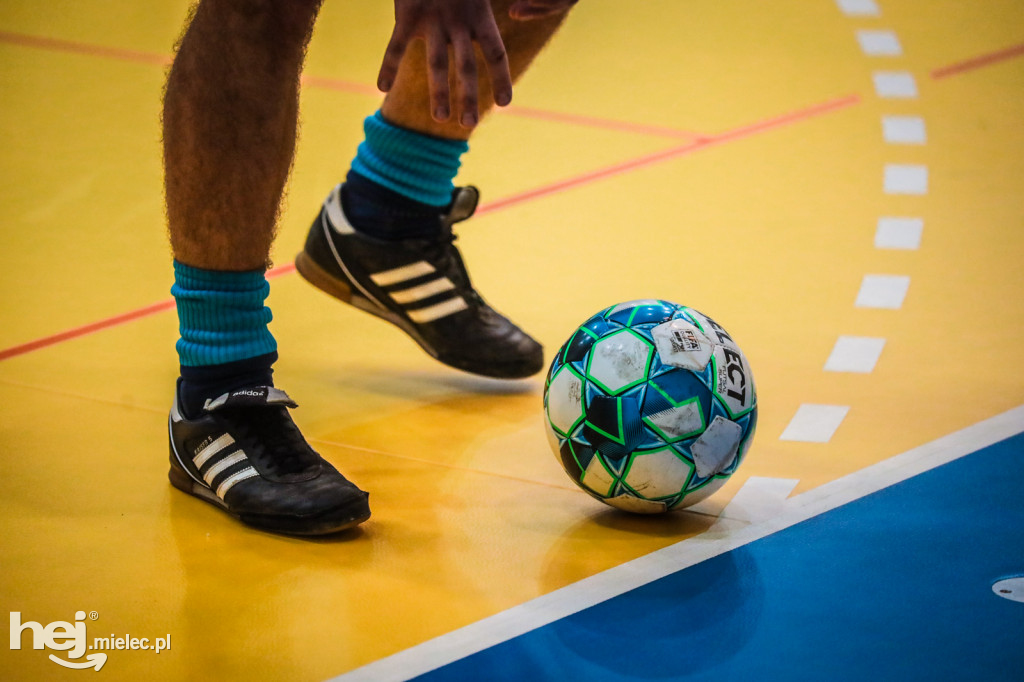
(199, 384)
(381, 213)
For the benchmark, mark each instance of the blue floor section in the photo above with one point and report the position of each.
(894, 586)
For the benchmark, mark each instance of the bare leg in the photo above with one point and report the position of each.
(408, 103)
(230, 116)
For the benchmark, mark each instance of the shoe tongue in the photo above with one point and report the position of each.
(254, 396)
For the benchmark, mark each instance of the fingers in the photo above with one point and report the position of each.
(496, 59)
(467, 76)
(459, 26)
(466, 81)
(437, 76)
(524, 10)
(484, 32)
(392, 57)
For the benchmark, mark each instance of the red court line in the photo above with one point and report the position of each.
(327, 83)
(592, 176)
(523, 112)
(674, 152)
(979, 61)
(109, 322)
(609, 124)
(90, 50)
(86, 329)
(585, 178)
(138, 57)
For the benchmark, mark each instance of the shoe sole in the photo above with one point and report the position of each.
(326, 523)
(316, 275)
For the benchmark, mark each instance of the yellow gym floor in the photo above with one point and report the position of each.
(823, 177)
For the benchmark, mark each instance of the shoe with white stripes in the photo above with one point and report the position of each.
(421, 286)
(245, 455)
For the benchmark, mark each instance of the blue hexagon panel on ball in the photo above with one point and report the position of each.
(650, 406)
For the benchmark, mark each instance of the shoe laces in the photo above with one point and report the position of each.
(444, 255)
(268, 434)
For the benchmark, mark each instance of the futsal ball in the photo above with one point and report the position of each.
(650, 406)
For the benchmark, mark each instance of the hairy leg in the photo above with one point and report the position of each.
(230, 117)
(408, 102)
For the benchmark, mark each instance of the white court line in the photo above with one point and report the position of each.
(759, 499)
(815, 423)
(899, 233)
(858, 8)
(903, 178)
(894, 84)
(882, 291)
(879, 43)
(903, 130)
(603, 586)
(855, 354)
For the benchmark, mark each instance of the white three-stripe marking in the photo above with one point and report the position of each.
(422, 291)
(434, 312)
(230, 481)
(222, 465)
(212, 449)
(402, 274)
(418, 293)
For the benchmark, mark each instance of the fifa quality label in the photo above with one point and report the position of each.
(681, 344)
(733, 382)
(712, 329)
(685, 341)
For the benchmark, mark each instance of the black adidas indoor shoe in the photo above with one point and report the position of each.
(245, 455)
(421, 286)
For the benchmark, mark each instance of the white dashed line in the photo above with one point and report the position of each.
(876, 43)
(858, 8)
(855, 354)
(815, 423)
(883, 291)
(895, 84)
(906, 179)
(903, 129)
(899, 233)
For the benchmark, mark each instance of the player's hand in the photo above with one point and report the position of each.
(455, 24)
(538, 9)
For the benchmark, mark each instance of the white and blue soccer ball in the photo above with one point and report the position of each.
(650, 406)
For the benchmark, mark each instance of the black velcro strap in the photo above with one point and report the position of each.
(256, 396)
